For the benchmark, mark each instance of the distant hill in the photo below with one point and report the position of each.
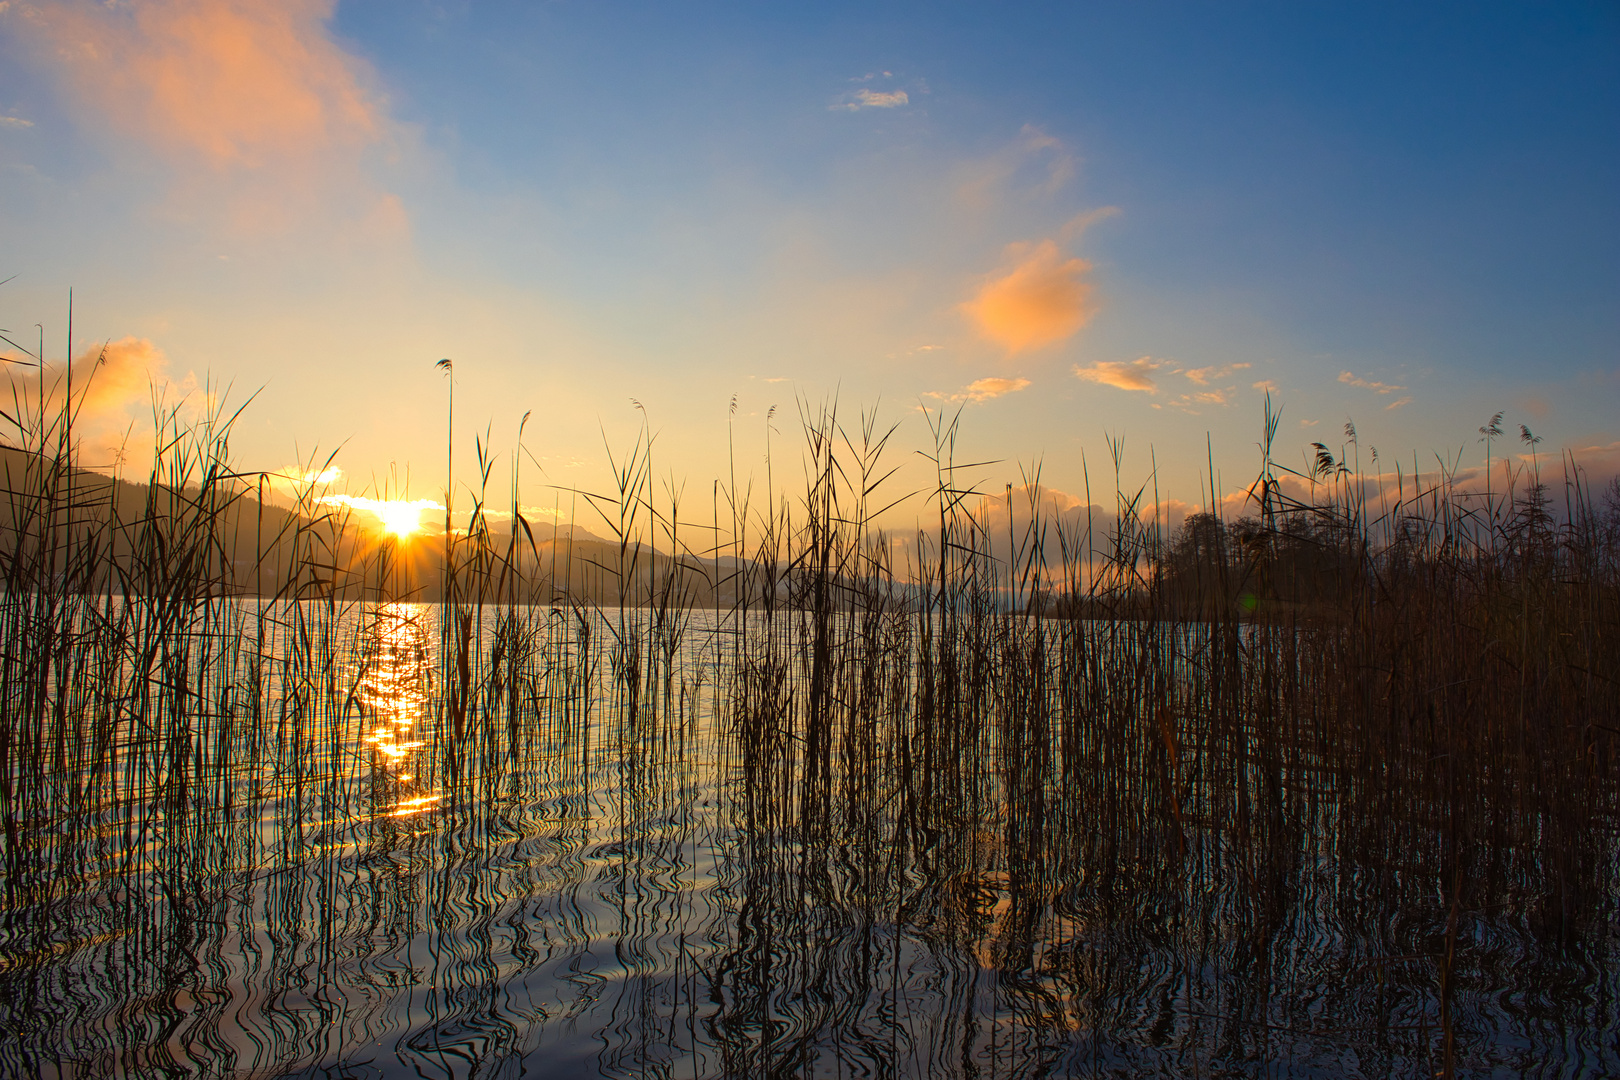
(84, 529)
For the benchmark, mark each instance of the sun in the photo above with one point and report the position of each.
(398, 517)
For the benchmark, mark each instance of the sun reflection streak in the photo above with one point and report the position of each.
(392, 694)
(420, 804)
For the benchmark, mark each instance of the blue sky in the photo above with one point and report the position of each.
(1071, 222)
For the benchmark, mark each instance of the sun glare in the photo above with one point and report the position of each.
(395, 517)
(399, 518)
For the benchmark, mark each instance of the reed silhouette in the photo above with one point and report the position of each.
(1329, 788)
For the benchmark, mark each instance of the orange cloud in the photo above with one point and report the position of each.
(106, 378)
(984, 389)
(1351, 379)
(1193, 403)
(254, 93)
(1203, 375)
(1121, 375)
(1040, 302)
(238, 83)
(118, 375)
(112, 389)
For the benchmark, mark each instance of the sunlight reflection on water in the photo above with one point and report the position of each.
(392, 694)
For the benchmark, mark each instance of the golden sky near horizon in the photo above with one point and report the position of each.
(315, 202)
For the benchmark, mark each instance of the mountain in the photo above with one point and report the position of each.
(195, 532)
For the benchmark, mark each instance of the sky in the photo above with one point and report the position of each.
(1079, 225)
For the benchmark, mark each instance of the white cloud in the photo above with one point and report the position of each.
(879, 99)
(872, 99)
(298, 475)
(363, 502)
(296, 481)
(15, 122)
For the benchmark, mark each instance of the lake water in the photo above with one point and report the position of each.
(360, 874)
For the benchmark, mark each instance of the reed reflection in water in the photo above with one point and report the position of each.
(721, 858)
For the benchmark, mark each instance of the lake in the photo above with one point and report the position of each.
(312, 840)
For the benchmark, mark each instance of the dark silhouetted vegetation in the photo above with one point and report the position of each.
(1327, 789)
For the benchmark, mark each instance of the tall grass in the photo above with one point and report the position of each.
(1342, 757)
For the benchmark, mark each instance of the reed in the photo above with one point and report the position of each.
(1069, 798)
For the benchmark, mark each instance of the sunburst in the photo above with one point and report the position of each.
(400, 518)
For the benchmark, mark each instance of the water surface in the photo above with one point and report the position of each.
(348, 865)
